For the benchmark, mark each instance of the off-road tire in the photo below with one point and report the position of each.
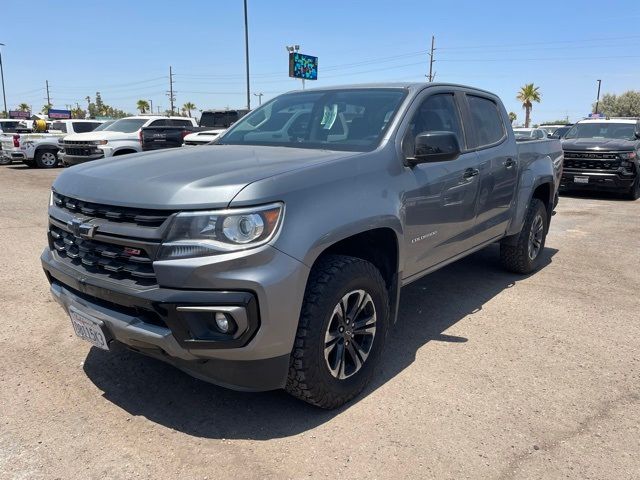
(43, 154)
(634, 191)
(331, 278)
(29, 163)
(514, 255)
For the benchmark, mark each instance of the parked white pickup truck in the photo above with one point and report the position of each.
(202, 138)
(41, 149)
(119, 138)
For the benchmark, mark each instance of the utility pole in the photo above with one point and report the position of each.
(431, 74)
(246, 53)
(259, 95)
(48, 97)
(171, 97)
(4, 96)
(598, 97)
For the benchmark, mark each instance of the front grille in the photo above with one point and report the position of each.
(142, 217)
(80, 151)
(600, 161)
(116, 261)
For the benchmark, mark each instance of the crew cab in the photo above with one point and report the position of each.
(118, 138)
(274, 257)
(41, 149)
(603, 154)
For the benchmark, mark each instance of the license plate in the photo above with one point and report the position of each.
(581, 179)
(88, 329)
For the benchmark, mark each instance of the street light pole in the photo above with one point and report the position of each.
(598, 98)
(259, 95)
(4, 97)
(246, 52)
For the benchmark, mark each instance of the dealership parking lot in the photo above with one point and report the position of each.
(487, 374)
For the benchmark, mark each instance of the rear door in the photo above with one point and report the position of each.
(497, 158)
(440, 197)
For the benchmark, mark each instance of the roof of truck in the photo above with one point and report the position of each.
(407, 85)
(611, 120)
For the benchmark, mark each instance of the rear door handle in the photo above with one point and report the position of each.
(509, 163)
(469, 173)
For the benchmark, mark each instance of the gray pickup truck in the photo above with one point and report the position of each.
(274, 258)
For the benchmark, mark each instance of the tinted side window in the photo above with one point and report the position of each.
(159, 123)
(81, 127)
(61, 126)
(487, 120)
(437, 113)
(181, 123)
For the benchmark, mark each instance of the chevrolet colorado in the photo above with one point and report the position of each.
(274, 258)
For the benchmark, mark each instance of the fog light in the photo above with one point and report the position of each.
(222, 322)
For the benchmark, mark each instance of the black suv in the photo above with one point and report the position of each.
(602, 154)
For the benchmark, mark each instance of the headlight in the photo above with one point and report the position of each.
(99, 142)
(196, 234)
(51, 198)
(628, 155)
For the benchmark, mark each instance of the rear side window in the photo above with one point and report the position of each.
(159, 123)
(82, 127)
(182, 123)
(487, 121)
(61, 126)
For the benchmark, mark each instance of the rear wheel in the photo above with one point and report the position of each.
(46, 158)
(341, 334)
(4, 160)
(522, 253)
(634, 192)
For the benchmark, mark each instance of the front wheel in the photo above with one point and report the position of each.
(522, 253)
(341, 333)
(634, 192)
(46, 158)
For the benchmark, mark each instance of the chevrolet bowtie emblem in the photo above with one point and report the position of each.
(80, 228)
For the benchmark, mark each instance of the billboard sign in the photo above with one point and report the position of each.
(59, 114)
(19, 114)
(303, 66)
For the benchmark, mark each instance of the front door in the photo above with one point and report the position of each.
(440, 197)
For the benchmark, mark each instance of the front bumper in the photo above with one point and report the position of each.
(77, 159)
(147, 319)
(597, 181)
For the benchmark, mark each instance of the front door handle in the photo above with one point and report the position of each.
(509, 163)
(469, 173)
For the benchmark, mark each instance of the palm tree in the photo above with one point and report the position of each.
(527, 95)
(143, 106)
(512, 117)
(23, 107)
(45, 108)
(188, 107)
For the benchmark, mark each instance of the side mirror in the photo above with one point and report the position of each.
(435, 147)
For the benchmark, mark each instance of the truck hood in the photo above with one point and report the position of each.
(583, 144)
(174, 179)
(108, 135)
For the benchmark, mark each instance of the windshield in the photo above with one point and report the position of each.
(349, 120)
(612, 130)
(219, 119)
(125, 125)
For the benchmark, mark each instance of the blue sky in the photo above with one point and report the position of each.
(124, 48)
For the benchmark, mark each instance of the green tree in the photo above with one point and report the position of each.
(23, 107)
(78, 113)
(626, 104)
(188, 107)
(527, 95)
(512, 117)
(143, 106)
(45, 108)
